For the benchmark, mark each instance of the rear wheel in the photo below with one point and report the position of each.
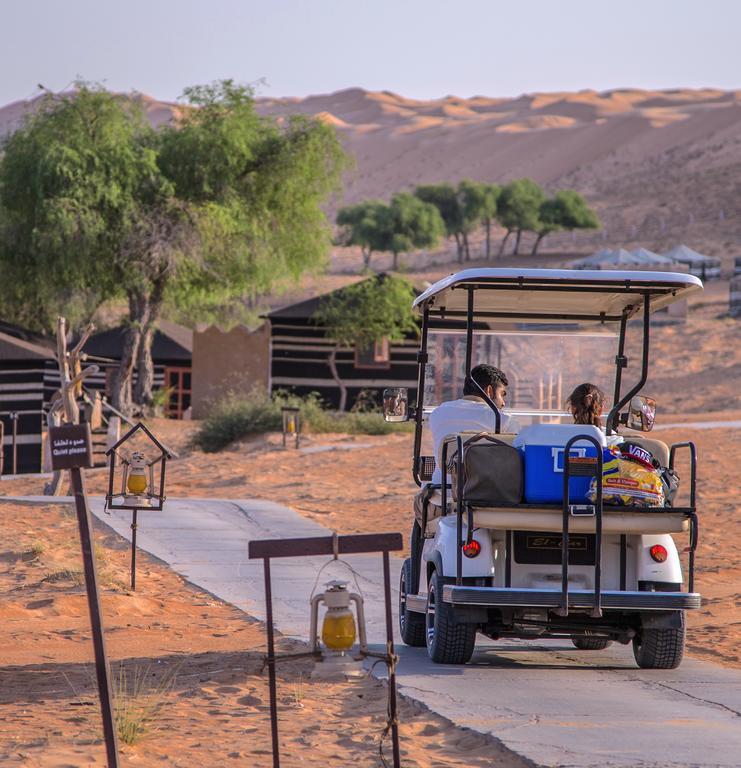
(448, 642)
(591, 643)
(659, 648)
(411, 624)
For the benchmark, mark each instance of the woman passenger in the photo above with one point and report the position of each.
(586, 403)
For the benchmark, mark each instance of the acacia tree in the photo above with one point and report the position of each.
(445, 198)
(411, 224)
(365, 313)
(567, 210)
(518, 210)
(360, 226)
(478, 203)
(213, 208)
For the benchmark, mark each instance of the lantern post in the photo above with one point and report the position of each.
(140, 476)
(291, 425)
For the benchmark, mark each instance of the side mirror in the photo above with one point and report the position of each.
(396, 404)
(642, 413)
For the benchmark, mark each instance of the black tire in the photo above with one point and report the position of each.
(411, 624)
(591, 643)
(447, 642)
(660, 648)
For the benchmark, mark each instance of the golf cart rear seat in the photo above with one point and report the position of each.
(543, 517)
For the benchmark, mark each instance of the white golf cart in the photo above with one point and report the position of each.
(553, 563)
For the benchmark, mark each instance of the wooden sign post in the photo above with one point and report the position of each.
(71, 448)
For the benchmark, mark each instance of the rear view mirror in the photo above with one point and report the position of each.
(396, 404)
(642, 413)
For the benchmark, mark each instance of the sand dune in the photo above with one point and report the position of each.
(659, 166)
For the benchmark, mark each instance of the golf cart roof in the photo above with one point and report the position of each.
(553, 295)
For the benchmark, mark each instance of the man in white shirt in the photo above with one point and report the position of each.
(472, 413)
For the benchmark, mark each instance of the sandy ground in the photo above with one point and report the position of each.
(173, 647)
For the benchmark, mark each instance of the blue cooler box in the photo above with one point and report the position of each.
(542, 446)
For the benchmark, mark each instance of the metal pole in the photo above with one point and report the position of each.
(14, 420)
(390, 651)
(96, 617)
(271, 665)
(133, 550)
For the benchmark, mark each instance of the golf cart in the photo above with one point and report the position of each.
(555, 561)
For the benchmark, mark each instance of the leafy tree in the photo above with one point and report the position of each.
(412, 224)
(478, 203)
(445, 198)
(365, 313)
(206, 211)
(518, 209)
(567, 210)
(360, 226)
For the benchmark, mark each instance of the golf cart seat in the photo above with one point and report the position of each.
(549, 517)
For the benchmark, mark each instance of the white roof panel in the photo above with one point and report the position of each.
(554, 295)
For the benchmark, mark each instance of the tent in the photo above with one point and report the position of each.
(621, 258)
(705, 267)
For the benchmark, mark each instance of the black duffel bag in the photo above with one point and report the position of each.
(492, 471)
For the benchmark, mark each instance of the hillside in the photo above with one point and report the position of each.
(661, 167)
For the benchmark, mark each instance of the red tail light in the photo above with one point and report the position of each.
(658, 553)
(472, 549)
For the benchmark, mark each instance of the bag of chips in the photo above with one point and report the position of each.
(629, 478)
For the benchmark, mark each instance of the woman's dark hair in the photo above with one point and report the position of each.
(484, 375)
(586, 403)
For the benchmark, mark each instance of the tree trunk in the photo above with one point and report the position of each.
(143, 394)
(138, 315)
(465, 246)
(504, 242)
(396, 261)
(488, 239)
(541, 235)
(332, 362)
(516, 249)
(459, 246)
(366, 256)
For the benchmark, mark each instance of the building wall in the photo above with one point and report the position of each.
(22, 392)
(228, 361)
(299, 355)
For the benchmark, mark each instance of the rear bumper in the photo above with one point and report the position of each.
(578, 598)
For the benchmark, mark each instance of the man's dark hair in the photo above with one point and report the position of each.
(484, 375)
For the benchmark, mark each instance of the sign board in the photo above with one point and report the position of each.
(71, 446)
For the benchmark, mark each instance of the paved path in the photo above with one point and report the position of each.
(544, 700)
(699, 425)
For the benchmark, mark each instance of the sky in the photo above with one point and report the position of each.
(417, 48)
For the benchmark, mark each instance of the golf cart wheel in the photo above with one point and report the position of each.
(448, 642)
(411, 624)
(660, 648)
(591, 643)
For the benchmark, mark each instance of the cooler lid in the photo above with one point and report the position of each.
(556, 434)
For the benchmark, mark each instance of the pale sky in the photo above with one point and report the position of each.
(418, 48)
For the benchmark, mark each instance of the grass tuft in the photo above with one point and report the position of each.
(138, 702)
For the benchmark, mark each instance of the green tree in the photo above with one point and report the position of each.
(211, 209)
(366, 313)
(567, 210)
(445, 198)
(360, 226)
(412, 224)
(478, 203)
(518, 210)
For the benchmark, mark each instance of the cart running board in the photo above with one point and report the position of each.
(578, 598)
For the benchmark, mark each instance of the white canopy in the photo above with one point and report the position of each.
(686, 255)
(553, 295)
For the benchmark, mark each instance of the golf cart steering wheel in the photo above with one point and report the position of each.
(489, 402)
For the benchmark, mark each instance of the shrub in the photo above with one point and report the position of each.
(238, 416)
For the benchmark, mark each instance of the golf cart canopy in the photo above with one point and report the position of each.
(552, 295)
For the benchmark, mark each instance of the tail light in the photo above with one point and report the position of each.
(658, 553)
(472, 549)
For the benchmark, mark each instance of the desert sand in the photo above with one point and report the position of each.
(660, 167)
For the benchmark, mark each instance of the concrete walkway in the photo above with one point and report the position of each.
(546, 701)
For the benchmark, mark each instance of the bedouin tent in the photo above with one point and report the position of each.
(607, 259)
(704, 267)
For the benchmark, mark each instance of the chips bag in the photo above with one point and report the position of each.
(629, 478)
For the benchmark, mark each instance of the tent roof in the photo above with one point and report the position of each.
(13, 348)
(686, 255)
(171, 342)
(621, 258)
(553, 295)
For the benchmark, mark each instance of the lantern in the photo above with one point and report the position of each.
(140, 459)
(291, 425)
(339, 631)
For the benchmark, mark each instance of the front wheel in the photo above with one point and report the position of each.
(411, 624)
(659, 648)
(448, 642)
